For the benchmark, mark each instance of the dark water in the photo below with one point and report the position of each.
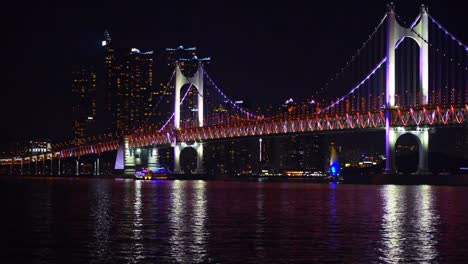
(50, 220)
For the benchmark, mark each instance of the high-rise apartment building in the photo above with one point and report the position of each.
(134, 98)
(112, 81)
(84, 102)
(130, 97)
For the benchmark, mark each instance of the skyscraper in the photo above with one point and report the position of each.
(134, 98)
(84, 101)
(112, 82)
(161, 103)
(128, 86)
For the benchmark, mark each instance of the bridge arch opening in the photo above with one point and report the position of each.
(188, 160)
(407, 153)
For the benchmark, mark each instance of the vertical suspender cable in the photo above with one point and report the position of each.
(439, 69)
(432, 65)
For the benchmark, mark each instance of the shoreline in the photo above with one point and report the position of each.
(374, 179)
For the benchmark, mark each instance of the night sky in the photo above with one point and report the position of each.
(262, 52)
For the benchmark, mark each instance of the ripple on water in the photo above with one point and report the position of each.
(106, 221)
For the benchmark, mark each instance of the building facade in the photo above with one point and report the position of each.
(84, 102)
(136, 83)
(128, 81)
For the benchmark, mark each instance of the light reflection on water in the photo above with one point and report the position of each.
(200, 234)
(409, 223)
(102, 221)
(392, 223)
(332, 237)
(137, 224)
(427, 223)
(260, 223)
(177, 226)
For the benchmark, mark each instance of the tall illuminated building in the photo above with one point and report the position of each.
(84, 102)
(129, 86)
(112, 82)
(161, 103)
(134, 100)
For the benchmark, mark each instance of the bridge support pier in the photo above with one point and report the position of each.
(198, 146)
(177, 150)
(51, 165)
(389, 145)
(21, 168)
(129, 158)
(58, 167)
(43, 164)
(77, 167)
(153, 158)
(422, 136)
(96, 167)
(199, 149)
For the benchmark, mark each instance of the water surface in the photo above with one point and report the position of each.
(59, 220)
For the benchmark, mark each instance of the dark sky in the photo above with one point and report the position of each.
(263, 51)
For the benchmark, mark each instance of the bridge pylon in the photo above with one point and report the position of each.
(395, 34)
(422, 138)
(197, 81)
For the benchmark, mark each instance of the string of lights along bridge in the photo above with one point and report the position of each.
(404, 79)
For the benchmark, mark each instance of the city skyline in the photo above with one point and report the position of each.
(275, 45)
(198, 132)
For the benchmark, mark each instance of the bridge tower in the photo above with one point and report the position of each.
(395, 34)
(195, 81)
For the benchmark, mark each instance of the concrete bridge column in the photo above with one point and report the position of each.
(58, 167)
(37, 157)
(137, 155)
(198, 146)
(199, 149)
(129, 158)
(21, 168)
(43, 164)
(422, 136)
(153, 157)
(177, 150)
(390, 141)
(96, 168)
(51, 164)
(77, 166)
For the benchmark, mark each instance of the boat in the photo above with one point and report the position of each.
(157, 173)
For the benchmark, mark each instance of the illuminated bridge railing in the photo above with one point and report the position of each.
(437, 116)
(96, 148)
(401, 117)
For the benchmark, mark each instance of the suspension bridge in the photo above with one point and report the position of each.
(405, 78)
